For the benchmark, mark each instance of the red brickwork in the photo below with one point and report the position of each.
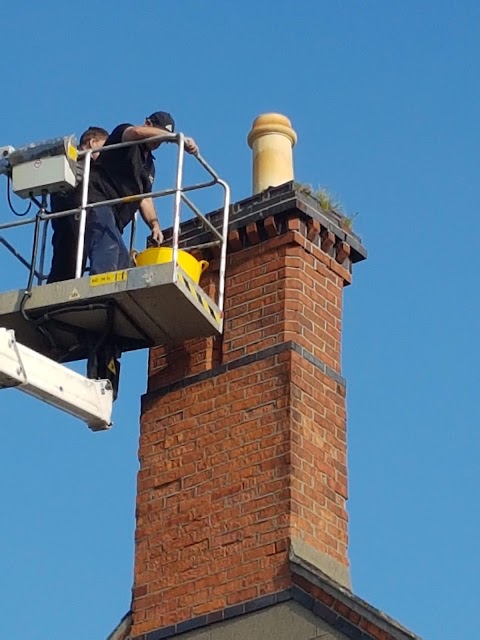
(234, 466)
(278, 291)
(318, 460)
(213, 495)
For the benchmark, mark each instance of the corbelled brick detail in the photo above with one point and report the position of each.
(243, 439)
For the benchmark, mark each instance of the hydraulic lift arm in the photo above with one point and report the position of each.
(29, 371)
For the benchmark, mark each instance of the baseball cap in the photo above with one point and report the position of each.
(163, 120)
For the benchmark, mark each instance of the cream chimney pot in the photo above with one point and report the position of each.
(271, 140)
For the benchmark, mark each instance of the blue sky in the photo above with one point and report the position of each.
(385, 99)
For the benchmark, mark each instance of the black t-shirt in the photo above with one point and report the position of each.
(122, 172)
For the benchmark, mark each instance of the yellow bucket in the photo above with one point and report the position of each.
(160, 255)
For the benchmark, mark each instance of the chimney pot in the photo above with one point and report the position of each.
(271, 139)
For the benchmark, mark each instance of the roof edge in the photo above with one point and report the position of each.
(317, 578)
(122, 630)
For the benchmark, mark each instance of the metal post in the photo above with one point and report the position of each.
(41, 266)
(28, 291)
(177, 202)
(33, 262)
(223, 252)
(133, 232)
(83, 215)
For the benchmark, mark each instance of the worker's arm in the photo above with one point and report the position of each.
(144, 132)
(148, 213)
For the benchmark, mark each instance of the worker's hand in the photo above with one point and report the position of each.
(191, 146)
(157, 235)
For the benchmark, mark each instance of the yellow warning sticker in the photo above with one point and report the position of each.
(72, 152)
(108, 278)
(111, 366)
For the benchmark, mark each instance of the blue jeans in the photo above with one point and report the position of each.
(104, 244)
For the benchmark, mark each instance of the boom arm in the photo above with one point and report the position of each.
(29, 371)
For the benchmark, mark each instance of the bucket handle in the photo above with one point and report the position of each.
(204, 265)
(133, 256)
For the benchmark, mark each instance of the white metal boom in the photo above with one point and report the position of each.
(29, 371)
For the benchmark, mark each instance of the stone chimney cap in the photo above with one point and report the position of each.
(268, 123)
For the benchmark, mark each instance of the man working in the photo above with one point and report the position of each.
(120, 173)
(65, 230)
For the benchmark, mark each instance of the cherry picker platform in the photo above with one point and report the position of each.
(140, 307)
(99, 317)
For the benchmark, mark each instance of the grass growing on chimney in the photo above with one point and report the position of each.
(328, 202)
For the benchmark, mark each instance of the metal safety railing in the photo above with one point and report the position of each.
(179, 193)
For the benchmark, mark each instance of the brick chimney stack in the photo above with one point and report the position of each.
(243, 475)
